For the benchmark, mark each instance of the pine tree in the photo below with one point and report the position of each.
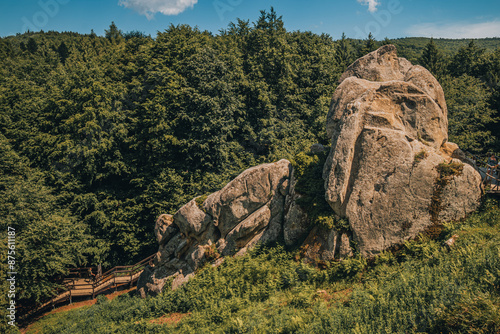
(470, 114)
(343, 55)
(63, 52)
(113, 33)
(370, 44)
(386, 41)
(467, 61)
(432, 59)
(32, 46)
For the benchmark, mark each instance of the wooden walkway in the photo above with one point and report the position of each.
(490, 180)
(491, 183)
(77, 285)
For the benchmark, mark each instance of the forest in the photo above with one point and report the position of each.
(101, 134)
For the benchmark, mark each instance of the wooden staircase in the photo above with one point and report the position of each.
(79, 284)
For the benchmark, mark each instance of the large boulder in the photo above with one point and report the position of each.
(380, 65)
(192, 220)
(247, 193)
(388, 129)
(248, 210)
(165, 228)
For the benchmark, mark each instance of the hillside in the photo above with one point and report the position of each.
(101, 135)
(426, 286)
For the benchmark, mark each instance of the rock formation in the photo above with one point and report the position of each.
(249, 209)
(391, 174)
(391, 171)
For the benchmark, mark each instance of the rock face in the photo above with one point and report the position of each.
(249, 209)
(324, 245)
(388, 129)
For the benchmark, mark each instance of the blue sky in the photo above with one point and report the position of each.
(384, 18)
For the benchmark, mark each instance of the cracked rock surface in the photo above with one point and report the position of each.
(249, 209)
(388, 127)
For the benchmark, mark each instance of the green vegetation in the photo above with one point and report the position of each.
(119, 129)
(423, 287)
(308, 169)
(200, 200)
(448, 170)
(421, 155)
(432, 59)
(100, 135)
(412, 47)
(470, 113)
(41, 226)
(446, 173)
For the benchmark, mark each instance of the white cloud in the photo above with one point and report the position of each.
(372, 4)
(150, 7)
(456, 30)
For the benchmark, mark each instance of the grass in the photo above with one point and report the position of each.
(200, 200)
(422, 287)
(421, 155)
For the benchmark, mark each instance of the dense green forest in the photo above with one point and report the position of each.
(101, 134)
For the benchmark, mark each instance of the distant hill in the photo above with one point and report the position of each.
(412, 47)
(448, 46)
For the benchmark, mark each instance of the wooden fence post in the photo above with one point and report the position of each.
(131, 276)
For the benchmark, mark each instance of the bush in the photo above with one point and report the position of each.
(308, 170)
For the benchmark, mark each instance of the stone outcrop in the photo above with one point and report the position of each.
(390, 174)
(324, 245)
(165, 228)
(388, 128)
(249, 209)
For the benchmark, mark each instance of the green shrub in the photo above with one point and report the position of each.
(348, 267)
(421, 155)
(471, 314)
(308, 170)
(200, 200)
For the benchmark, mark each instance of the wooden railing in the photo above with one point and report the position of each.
(79, 284)
(490, 181)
